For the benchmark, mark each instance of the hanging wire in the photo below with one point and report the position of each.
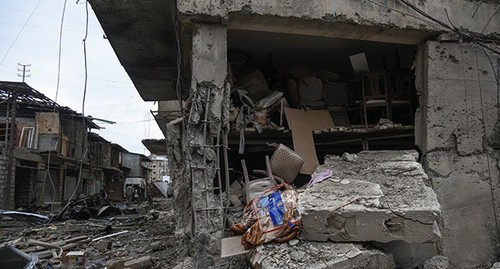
(470, 36)
(19, 34)
(47, 170)
(84, 146)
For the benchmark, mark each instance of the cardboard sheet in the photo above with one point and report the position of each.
(302, 123)
(359, 63)
(303, 144)
(232, 246)
(316, 119)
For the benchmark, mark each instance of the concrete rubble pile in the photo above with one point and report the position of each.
(145, 239)
(377, 196)
(304, 254)
(352, 206)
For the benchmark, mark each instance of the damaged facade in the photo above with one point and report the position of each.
(230, 76)
(52, 153)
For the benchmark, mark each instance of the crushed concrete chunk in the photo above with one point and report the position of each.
(318, 255)
(384, 199)
(186, 264)
(437, 262)
(495, 266)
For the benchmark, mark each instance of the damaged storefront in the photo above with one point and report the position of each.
(388, 120)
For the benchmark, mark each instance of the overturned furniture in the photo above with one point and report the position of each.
(372, 196)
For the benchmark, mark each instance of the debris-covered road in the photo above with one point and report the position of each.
(143, 240)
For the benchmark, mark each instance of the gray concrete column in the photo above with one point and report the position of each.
(458, 125)
(207, 120)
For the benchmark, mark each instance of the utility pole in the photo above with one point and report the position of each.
(10, 161)
(22, 68)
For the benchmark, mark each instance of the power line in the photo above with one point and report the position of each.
(489, 20)
(44, 15)
(85, 148)
(18, 34)
(398, 11)
(60, 51)
(16, 55)
(47, 172)
(470, 36)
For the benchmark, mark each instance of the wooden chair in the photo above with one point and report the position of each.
(400, 91)
(256, 187)
(375, 94)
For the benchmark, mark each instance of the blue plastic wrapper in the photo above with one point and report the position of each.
(276, 208)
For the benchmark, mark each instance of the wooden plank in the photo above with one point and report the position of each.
(47, 122)
(232, 246)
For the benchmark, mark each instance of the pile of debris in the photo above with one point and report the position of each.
(304, 254)
(351, 204)
(143, 240)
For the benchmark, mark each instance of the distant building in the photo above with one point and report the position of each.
(158, 167)
(48, 149)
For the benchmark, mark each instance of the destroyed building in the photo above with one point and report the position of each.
(326, 78)
(44, 144)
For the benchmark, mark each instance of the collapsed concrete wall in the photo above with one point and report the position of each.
(458, 122)
(377, 196)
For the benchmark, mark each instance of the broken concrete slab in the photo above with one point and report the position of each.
(318, 255)
(380, 196)
(140, 263)
(232, 246)
(437, 262)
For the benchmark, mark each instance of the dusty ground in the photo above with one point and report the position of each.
(150, 233)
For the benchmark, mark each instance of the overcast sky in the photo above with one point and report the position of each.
(111, 94)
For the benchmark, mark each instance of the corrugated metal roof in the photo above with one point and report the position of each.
(29, 98)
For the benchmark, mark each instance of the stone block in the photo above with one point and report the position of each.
(104, 245)
(115, 264)
(140, 263)
(372, 199)
(317, 255)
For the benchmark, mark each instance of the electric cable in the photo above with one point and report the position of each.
(484, 48)
(470, 36)
(49, 155)
(483, 114)
(19, 33)
(489, 20)
(178, 58)
(85, 82)
(399, 11)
